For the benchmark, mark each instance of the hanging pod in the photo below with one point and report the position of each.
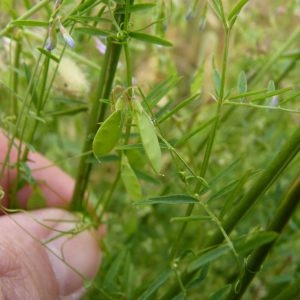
(108, 134)
(130, 179)
(148, 136)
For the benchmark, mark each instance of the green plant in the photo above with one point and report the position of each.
(176, 146)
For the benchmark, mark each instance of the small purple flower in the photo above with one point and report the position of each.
(100, 45)
(274, 101)
(67, 37)
(50, 45)
(51, 41)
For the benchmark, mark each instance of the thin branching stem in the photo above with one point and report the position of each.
(256, 259)
(276, 167)
(209, 145)
(98, 110)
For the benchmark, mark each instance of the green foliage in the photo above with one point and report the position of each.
(148, 136)
(181, 124)
(108, 134)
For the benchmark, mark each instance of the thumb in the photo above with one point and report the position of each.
(39, 260)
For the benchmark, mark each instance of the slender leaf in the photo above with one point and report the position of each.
(271, 88)
(31, 23)
(130, 180)
(193, 132)
(247, 94)
(197, 82)
(254, 240)
(170, 199)
(140, 7)
(49, 54)
(235, 11)
(85, 19)
(152, 39)
(190, 219)
(161, 89)
(178, 107)
(93, 31)
(67, 112)
(155, 285)
(242, 245)
(208, 257)
(114, 270)
(33, 86)
(242, 84)
(216, 81)
(221, 293)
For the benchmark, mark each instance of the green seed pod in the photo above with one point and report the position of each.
(149, 139)
(108, 134)
(130, 180)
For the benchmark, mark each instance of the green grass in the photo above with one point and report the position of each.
(197, 182)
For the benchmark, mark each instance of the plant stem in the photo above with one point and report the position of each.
(97, 114)
(280, 219)
(286, 154)
(22, 114)
(210, 142)
(15, 78)
(39, 108)
(98, 111)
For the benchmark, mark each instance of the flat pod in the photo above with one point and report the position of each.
(130, 180)
(108, 134)
(149, 139)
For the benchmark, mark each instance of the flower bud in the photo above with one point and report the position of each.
(101, 47)
(67, 37)
(51, 41)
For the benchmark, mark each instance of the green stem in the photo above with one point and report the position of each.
(98, 111)
(22, 157)
(39, 108)
(286, 154)
(129, 75)
(96, 116)
(215, 125)
(107, 200)
(21, 115)
(210, 142)
(254, 263)
(15, 79)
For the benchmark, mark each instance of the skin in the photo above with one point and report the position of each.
(57, 268)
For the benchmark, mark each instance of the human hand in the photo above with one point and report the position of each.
(30, 267)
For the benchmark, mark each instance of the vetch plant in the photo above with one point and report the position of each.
(184, 139)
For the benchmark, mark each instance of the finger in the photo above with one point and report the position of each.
(55, 184)
(51, 270)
